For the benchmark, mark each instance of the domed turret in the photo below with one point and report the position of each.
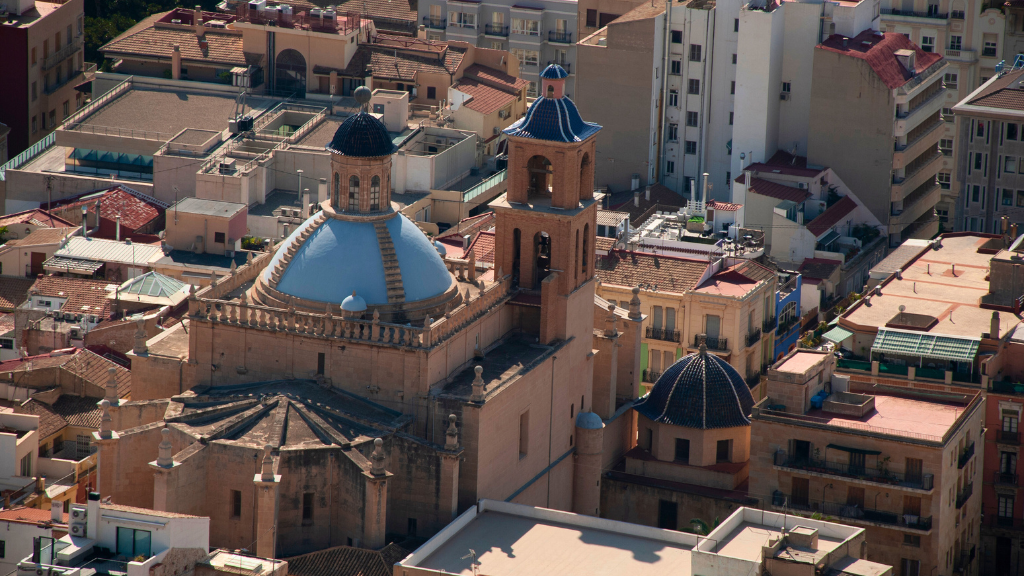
(362, 135)
(553, 116)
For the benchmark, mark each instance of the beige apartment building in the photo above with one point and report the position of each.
(972, 36)
(41, 44)
(894, 456)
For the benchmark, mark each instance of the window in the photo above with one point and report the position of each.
(353, 193)
(928, 43)
(236, 503)
(321, 361)
(670, 167)
(977, 160)
(67, 108)
(694, 52)
(53, 118)
(526, 57)
(526, 27)
(462, 19)
(728, 178)
(1010, 164)
(7, 343)
(307, 508)
(1005, 507)
(1007, 197)
(693, 86)
(981, 131)
(691, 147)
(431, 93)
(682, 450)
(668, 515)
(733, 58)
(956, 14)
(3, 547)
(736, 25)
(337, 192)
(497, 45)
(1011, 131)
(730, 118)
(989, 49)
(692, 118)
(722, 450)
(910, 567)
(944, 180)
(786, 87)
(946, 146)
(591, 18)
(677, 36)
(956, 43)
(132, 542)
(524, 434)
(375, 193)
(950, 79)
(218, 237)
(913, 540)
(976, 193)
(673, 98)
(1020, 198)
(947, 114)
(732, 87)
(673, 132)
(677, 68)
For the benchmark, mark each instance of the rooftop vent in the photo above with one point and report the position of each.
(906, 58)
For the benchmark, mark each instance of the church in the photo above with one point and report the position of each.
(357, 385)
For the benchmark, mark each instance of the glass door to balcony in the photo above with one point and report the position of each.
(801, 492)
(801, 451)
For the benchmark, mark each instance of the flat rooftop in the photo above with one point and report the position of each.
(915, 417)
(167, 112)
(746, 540)
(321, 135)
(506, 544)
(799, 362)
(947, 284)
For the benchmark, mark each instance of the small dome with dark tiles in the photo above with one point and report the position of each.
(699, 391)
(362, 135)
(554, 72)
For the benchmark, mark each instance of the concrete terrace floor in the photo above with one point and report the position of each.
(164, 111)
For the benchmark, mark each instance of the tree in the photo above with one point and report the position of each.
(701, 527)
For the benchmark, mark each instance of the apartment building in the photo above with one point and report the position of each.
(41, 43)
(537, 32)
(990, 155)
(873, 452)
(972, 36)
(1002, 529)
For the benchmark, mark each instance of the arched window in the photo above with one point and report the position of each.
(542, 258)
(353, 193)
(788, 312)
(541, 172)
(517, 238)
(586, 178)
(576, 267)
(375, 193)
(551, 91)
(586, 245)
(337, 192)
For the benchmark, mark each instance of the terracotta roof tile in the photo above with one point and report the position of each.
(158, 41)
(483, 246)
(724, 206)
(43, 236)
(50, 422)
(818, 268)
(84, 296)
(94, 368)
(832, 216)
(604, 244)
(13, 291)
(78, 411)
(34, 363)
(755, 271)
(33, 515)
(783, 162)
(347, 561)
(397, 63)
(495, 77)
(485, 99)
(135, 212)
(775, 190)
(879, 51)
(36, 217)
(668, 273)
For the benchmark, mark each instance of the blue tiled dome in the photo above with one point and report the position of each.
(699, 391)
(554, 72)
(554, 119)
(362, 135)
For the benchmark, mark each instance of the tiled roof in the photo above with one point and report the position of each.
(818, 268)
(554, 119)
(668, 273)
(724, 206)
(135, 212)
(755, 271)
(610, 217)
(13, 291)
(699, 391)
(486, 99)
(347, 561)
(84, 296)
(879, 51)
(78, 411)
(43, 237)
(728, 282)
(34, 363)
(392, 9)
(94, 368)
(494, 77)
(604, 244)
(36, 217)
(1004, 92)
(483, 246)
(29, 515)
(145, 511)
(775, 190)
(50, 422)
(158, 41)
(7, 322)
(832, 216)
(391, 63)
(362, 135)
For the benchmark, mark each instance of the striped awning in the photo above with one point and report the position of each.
(837, 334)
(926, 345)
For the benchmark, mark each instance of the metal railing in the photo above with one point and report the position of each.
(994, 520)
(712, 343)
(485, 185)
(964, 559)
(496, 29)
(853, 511)
(963, 495)
(1008, 437)
(27, 155)
(63, 54)
(921, 482)
(897, 12)
(931, 98)
(435, 23)
(559, 37)
(965, 456)
(754, 337)
(96, 103)
(1004, 478)
(786, 324)
(72, 75)
(133, 133)
(663, 334)
(769, 324)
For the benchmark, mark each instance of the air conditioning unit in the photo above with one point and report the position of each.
(801, 185)
(79, 531)
(78, 514)
(76, 333)
(496, 130)
(784, 96)
(227, 166)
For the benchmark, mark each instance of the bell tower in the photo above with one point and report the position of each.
(546, 222)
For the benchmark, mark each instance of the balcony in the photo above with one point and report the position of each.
(961, 55)
(663, 334)
(435, 23)
(769, 324)
(752, 380)
(499, 30)
(63, 54)
(1008, 437)
(920, 136)
(965, 457)
(910, 119)
(559, 37)
(651, 376)
(787, 324)
(917, 203)
(963, 495)
(720, 344)
(994, 520)
(1004, 478)
(912, 16)
(921, 482)
(854, 512)
(72, 75)
(916, 176)
(754, 337)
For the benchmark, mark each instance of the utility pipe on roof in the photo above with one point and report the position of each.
(664, 89)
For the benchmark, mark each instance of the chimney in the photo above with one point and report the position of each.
(57, 512)
(92, 521)
(647, 193)
(704, 193)
(176, 62)
(117, 234)
(197, 21)
(636, 199)
(421, 32)
(906, 58)
(993, 329)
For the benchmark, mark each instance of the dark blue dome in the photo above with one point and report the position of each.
(699, 391)
(362, 135)
(554, 72)
(553, 119)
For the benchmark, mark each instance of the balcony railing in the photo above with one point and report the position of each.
(712, 343)
(435, 23)
(854, 512)
(495, 30)
(63, 54)
(754, 337)
(769, 324)
(651, 376)
(559, 37)
(921, 482)
(786, 324)
(663, 334)
(964, 559)
(1004, 478)
(1008, 437)
(71, 75)
(753, 380)
(965, 456)
(911, 13)
(993, 519)
(963, 495)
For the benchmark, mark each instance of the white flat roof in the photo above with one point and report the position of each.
(102, 250)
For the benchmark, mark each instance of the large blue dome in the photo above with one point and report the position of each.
(362, 135)
(344, 256)
(699, 391)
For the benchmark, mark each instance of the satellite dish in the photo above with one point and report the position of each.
(902, 308)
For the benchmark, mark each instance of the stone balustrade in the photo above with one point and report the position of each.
(471, 309)
(238, 276)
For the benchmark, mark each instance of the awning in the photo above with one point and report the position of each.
(829, 238)
(837, 334)
(854, 450)
(925, 345)
(71, 265)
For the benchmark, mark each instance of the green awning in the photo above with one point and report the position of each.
(837, 334)
(925, 345)
(854, 450)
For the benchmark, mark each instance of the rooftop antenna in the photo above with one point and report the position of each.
(473, 563)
